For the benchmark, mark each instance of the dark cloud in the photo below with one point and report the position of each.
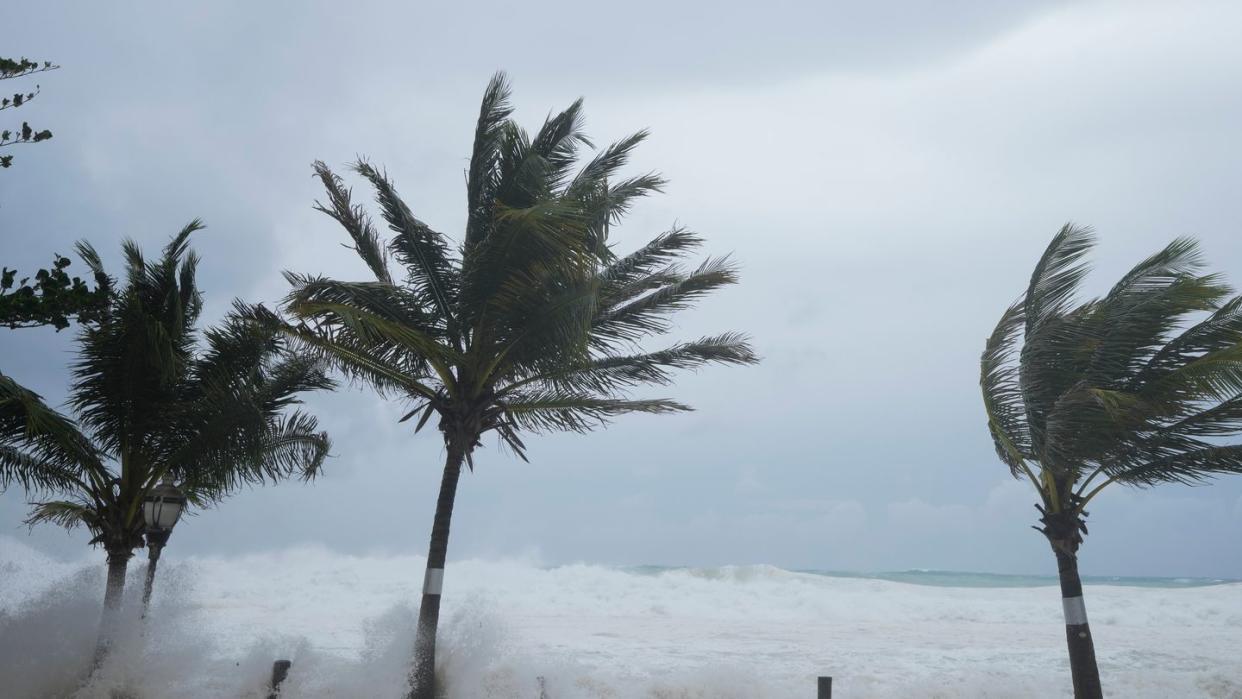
(886, 173)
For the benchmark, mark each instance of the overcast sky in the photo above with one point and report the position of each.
(885, 173)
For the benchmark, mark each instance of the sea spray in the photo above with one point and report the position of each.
(47, 636)
(592, 632)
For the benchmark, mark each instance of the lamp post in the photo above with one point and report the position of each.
(160, 509)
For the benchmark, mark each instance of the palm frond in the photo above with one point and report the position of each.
(573, 412)
(372, 328)
(1186, 467)
(287, 446)
(34, 473)
(1180, 258)
(1057, 276)
(424, 252)
(618, 198)
(1117, 385)
(642, 264)
(612, 374)
(1216, 333)
(392, 302)
(558, 140)
(542, 313)
(526, 329)
(90, 257)
(1221, 420)
(391, 375)
(531, 252)
(481, 176)
(1134, 322)
(128, 363)
(235, 397)
(177, 248)
(354, 219)
(39, 447)
(152, 403)
(606, 164)
(1002, 392)
(1213, 376)
(64, 513)
(648, 314)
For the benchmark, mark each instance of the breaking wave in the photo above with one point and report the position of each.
(514, 629)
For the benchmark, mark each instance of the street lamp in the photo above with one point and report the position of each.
(160, 509)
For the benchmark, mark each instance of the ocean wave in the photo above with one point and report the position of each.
(594, 632)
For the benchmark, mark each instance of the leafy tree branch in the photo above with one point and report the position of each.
(20, 68)
(53, 297)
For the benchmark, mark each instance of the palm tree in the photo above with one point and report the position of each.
(150, 405)
(1137, 387)
(532, 324)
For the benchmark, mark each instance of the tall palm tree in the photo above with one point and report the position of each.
(532, 324)
(150, 404)
(1137, 387)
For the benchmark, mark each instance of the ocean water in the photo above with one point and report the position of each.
(511, 628)
(953, 578)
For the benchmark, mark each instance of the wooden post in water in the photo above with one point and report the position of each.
(280, 670)
(825, 688)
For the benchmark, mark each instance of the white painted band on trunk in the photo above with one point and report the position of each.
(1075, 611)
(434, 581)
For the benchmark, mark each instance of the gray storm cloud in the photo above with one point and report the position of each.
(885, 176)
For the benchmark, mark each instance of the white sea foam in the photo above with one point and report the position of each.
(593, 632)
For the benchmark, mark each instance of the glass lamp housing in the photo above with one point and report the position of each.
(162, 507)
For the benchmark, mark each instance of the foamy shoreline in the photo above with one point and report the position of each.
(593, 631)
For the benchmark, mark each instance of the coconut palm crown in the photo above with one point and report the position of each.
(530, 324)
(1137, 387)
(150, 404)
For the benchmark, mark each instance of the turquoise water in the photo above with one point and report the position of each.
(952, 578)
(949, 578)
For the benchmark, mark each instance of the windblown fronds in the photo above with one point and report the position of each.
(532, 322)
(1137, 387)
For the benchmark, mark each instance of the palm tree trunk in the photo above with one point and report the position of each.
(118, 562)
(423, 677)
(1077, 632)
